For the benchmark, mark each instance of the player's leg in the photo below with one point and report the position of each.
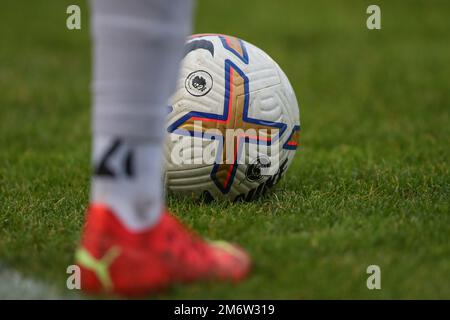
(130, 245)
(137, 46)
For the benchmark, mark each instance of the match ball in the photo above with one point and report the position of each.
(233, 124)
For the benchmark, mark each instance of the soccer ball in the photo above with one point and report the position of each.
(233, 123)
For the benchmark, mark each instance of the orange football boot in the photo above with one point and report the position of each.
(115, 260)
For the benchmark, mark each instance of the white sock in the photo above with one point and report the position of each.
(128, 179)
(137, 48)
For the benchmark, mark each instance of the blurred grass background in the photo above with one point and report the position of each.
(370, 183)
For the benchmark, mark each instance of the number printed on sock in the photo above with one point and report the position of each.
(110, 167)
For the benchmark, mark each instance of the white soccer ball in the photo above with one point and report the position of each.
(233, 124)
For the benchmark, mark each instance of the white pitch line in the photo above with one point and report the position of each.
(14, 286)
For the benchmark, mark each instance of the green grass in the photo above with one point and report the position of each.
(369, 185)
